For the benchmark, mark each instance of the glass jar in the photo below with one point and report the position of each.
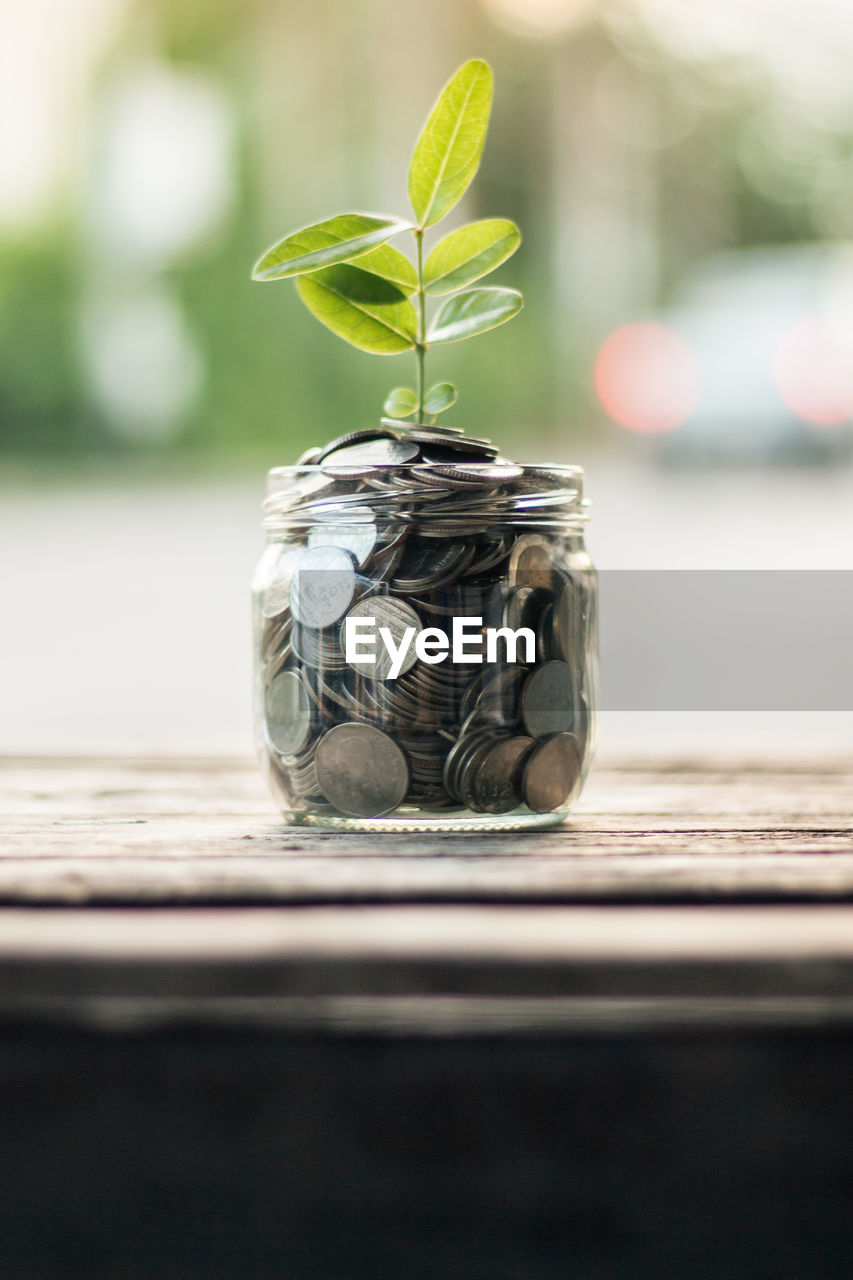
(425, 645)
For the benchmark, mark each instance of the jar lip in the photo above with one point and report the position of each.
(531, 493)
(558, 473)
(555, 468)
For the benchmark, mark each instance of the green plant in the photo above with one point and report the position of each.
(372, 295)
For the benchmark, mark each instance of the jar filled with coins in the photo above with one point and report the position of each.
(425, 635)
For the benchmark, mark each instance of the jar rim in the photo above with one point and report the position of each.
(554, 468)
(557, 472)
(539, 493)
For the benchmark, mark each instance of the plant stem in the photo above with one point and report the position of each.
(421, 342)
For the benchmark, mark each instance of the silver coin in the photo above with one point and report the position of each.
(481, 474)
(275, 633)
(310, 457)
(360, 436)
(531, 562)
(288, 713)
(468, 769)
(266, 570)
(401, 427)
(423, 568)
(548, 700)
(569, 622)
(458, 755)
(275, 664)
(276, 596)
(397, 617)
(323, 586)
(498, 780)
(524, 607)
(488, 557)
(359, 459)
(551, 773)
(545, 633)
(361, 771)
(318, 649)
(500, 693)
(359, 538)
(483, 449)
(472, 692)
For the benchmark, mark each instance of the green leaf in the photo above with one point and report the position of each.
(391, 264)
(363, 309)
(474, 312)
(338, 239)
(401, 402)
(440, 397)
(469, 253)
(447, 154)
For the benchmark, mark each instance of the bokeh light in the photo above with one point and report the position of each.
(647, 377)
(814, 370)
(539, 18)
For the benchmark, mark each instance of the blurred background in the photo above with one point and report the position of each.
(682, 171)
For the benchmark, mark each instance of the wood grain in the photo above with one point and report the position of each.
(156, 831)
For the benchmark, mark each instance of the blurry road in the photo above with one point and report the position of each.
(126, 608)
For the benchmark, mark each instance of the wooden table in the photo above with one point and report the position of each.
(232, 1049)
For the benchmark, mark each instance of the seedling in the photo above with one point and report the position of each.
(372, 295)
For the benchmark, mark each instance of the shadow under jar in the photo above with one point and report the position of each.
(425, 645)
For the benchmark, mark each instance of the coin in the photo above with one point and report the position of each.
(361, 436)
(398, 425)
(397, 617)
(500, 693)
(548, 699)
(310, 457)
(323, 586)
(468, 770)
(551, 773)
(359, 459)
(288, 713)
(569, 624)
(531, 562)
(276, 596)
(498, 781)
(319, 649)
(424, 567)
(275, 664)
(479, 474)
(361, 770)
(274, 635)
(483, 449)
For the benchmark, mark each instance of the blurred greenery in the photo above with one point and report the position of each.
(322, 104)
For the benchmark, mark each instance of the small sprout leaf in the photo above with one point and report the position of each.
(440, 397)
(363, 309)
(338, 239)
(474, 311)
(469, 253)
(447, 154)
(401, 403)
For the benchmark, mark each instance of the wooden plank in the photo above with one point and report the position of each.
(188, 831)
(395, 1041)
(467, 935)
(429, 970)
(393, 1063)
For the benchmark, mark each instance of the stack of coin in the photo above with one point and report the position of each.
(404, 529)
